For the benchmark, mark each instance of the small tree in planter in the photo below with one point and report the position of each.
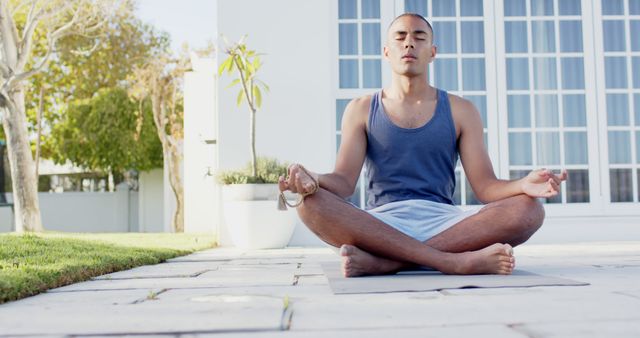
(249, 195)
(246, 63)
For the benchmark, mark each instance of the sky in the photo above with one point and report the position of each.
(191, 21)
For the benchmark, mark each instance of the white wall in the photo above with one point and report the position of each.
(119, 211)
(84, 211)
(202, 212)
(295, 122)
(151, 201)
(6, 218)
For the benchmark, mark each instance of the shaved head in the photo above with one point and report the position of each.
(415, 15)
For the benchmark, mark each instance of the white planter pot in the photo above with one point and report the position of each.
(253, 219)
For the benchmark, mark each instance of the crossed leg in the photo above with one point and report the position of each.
(472, 246)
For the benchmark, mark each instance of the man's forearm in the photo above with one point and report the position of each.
(336, 184)
(500, 189)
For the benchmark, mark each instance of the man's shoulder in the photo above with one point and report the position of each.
(362, 103)
(358, 109)
(461, 107)
(459, 103)
(464, 113)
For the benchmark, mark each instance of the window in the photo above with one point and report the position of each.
(359, 62)
(545, 81)
(360, 47)
(621, 45)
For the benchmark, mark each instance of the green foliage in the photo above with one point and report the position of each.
(82, 65)
(108, 132)
(30, 264)
(268, 171)
(245, 63)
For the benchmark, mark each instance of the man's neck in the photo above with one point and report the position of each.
(404, 87)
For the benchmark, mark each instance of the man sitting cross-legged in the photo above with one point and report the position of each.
(409, 136)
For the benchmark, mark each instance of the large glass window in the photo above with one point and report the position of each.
(360, 34)
(570, 36)
(621, 43)
(359, 44)
(545, 78)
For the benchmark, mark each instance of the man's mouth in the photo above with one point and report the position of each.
(408, 57)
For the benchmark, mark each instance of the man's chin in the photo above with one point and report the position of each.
(410, 72)
(407, 69)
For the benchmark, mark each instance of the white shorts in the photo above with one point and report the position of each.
(421, 219)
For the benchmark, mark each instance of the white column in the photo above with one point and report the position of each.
(200, 148)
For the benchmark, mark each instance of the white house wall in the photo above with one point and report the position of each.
(84, 211)
(150, 201)
(295, 122)
(201, 214)
(119, 211)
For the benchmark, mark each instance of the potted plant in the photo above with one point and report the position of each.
(250, 195)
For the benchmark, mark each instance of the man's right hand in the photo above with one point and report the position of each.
(298, 180)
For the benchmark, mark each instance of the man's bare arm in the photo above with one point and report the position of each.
(478, 168)
(351, 154)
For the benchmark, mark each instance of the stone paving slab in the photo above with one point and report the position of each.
(407, 309)
(234, 293)
(405, 332)
(409, 332)
(626, 328)
(164, 270)
(91, 313)
(233, 276)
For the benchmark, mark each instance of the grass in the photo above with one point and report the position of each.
(33, 263)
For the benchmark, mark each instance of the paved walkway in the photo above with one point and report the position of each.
(231, 293)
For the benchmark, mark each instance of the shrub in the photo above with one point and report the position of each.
(268, 170)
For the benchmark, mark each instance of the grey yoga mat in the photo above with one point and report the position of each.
(433, 280)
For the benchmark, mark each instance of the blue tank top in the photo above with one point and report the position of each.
(418, 163)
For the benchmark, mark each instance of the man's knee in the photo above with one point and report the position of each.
(534, 210)
(531, 215)
(313, 211)
(319, 214)
(308, 209)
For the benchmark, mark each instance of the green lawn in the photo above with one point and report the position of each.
(33, 263)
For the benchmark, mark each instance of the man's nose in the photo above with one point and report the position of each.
(408, 44)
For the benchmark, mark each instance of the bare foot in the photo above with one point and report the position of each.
(356, 262)
(494, 259)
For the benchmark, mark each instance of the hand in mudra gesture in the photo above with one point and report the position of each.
(299, 180)
(543, 183)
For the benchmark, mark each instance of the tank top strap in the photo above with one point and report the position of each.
(444, 110)
(374, 108)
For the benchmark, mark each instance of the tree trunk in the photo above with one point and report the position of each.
(252, 140)
(175, 180)
(39, 130)
(24, 182)
(172, 156)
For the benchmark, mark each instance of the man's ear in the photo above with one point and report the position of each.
(385, 52)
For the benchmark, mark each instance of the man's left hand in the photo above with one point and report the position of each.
(543, 183)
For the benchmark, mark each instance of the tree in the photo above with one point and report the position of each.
(108, 132)
(160, 81)
(124, 42)
(54, 20)
(246, 64)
